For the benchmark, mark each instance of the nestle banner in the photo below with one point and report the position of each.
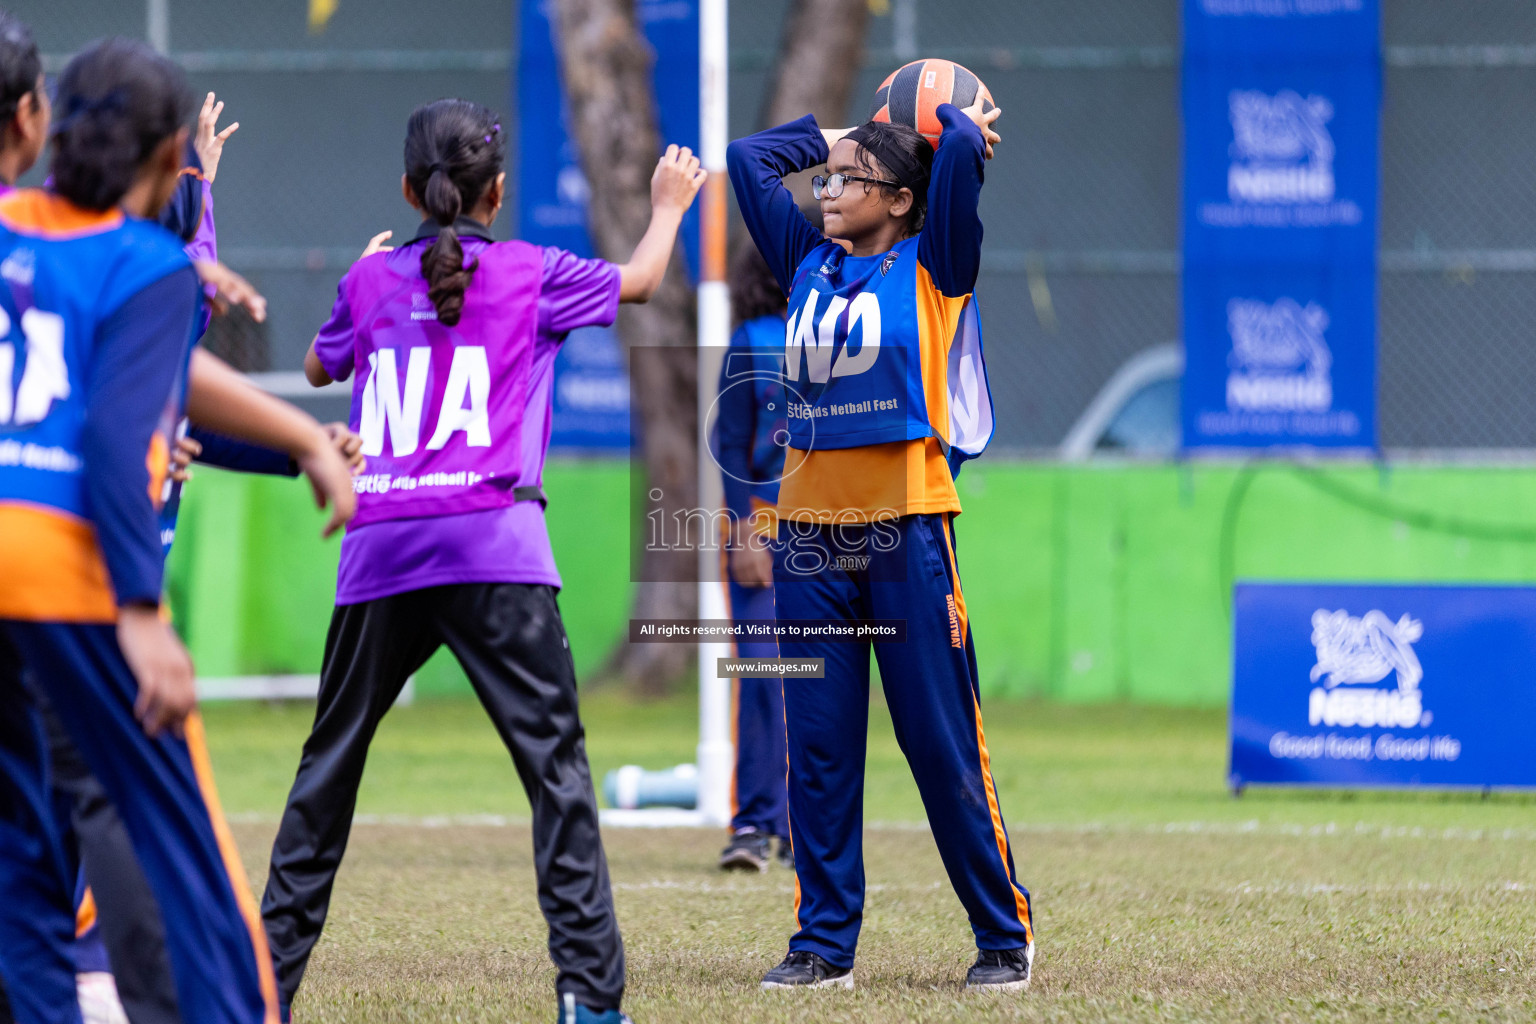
(1281, 110)
(591, 393)
(1383, 686)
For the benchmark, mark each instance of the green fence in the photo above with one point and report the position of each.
(1084, 583)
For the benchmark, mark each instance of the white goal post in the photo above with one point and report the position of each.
(716, 753)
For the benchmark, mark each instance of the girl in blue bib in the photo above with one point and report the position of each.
(886, 393)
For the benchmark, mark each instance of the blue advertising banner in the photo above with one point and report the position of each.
(1281, 110)
(1383, 686)
(591, 393)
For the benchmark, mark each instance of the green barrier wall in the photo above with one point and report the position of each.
(1084, 583)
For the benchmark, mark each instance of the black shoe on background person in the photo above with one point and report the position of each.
(748, 851)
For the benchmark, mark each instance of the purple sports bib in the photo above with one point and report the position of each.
(440, 409)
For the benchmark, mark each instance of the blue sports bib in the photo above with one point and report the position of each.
(874, 354)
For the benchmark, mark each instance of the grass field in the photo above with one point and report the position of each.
(1158, 895)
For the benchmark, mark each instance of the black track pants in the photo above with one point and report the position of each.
(512, 645)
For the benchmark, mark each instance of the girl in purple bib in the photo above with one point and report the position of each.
(450, 341)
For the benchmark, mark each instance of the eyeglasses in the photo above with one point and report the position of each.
(831, 186)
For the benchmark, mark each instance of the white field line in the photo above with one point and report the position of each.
(1331, 889)
(1359, 829)
(1241, 889)
(667, 884)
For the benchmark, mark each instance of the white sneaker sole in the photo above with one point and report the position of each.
(1006, 986)
(843, 982)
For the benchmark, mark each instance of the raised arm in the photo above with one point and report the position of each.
(676, 180)
(757, 165)
(204, 246)
(950, 243)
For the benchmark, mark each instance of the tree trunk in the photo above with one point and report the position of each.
(820, 55)
(607, 68)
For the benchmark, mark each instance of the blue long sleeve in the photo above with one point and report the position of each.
(757, 165)
(950, 242)
(140, 353)
(735, 434)
(228, 453)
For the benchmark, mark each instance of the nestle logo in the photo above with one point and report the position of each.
(1280, 358)
(1282, 151)
(1355, 652)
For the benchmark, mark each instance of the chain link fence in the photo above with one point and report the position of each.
(314, 170)
(1082, 205)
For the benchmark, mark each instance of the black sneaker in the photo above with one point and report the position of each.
(1001, 970)
(786, 855)
(748, 851)
(804, 969)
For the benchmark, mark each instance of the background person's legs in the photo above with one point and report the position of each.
(128, 920)
(760, 766)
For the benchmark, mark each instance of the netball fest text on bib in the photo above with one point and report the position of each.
(440, 409)
(854, 360)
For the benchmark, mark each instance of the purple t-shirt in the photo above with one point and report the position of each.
(508, 544)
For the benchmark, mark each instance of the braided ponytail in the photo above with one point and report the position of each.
(452, 155)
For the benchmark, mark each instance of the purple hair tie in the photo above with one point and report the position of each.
(495, 130)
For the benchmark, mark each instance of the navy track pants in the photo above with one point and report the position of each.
(163, 790)
(758, 787)
(898, 569)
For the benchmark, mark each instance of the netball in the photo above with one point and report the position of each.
(911, 94)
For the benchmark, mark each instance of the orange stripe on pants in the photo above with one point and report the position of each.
(85, 914)
(1021, 904)
(197, 745)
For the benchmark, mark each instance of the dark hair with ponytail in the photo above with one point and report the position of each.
(899, 151)
(20, 65)
(453, 153)
(116, 102)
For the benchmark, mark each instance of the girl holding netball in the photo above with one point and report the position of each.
(877, 392)
(451, 340)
